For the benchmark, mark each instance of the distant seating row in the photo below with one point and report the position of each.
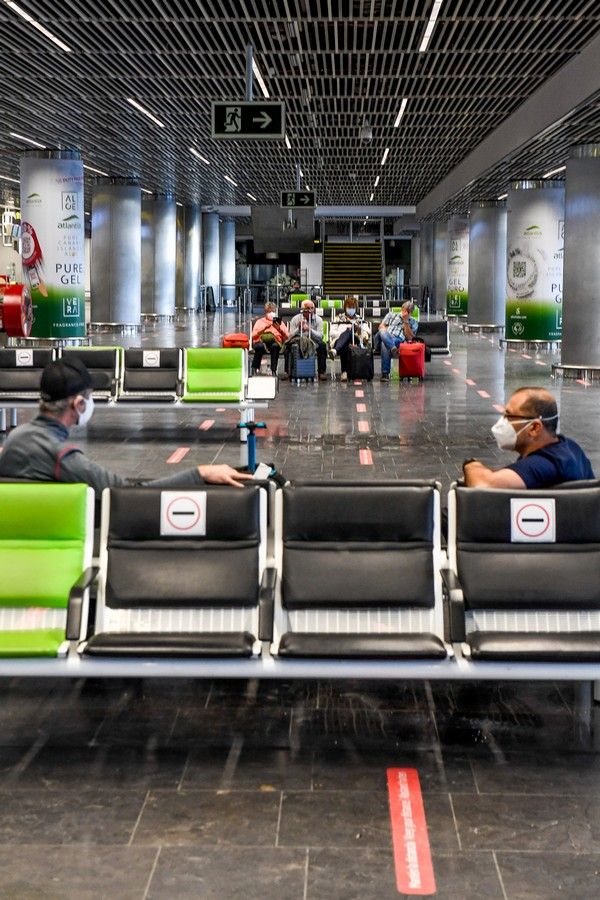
(435, 333)
(191, 374)
(350, 583)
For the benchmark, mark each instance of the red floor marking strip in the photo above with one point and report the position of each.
(498, 407)
(220, 408)
(357, 382)
(511, 350)
(208, 423)
(366, 457)
(582, 381)
(178, 455)
(363, 426)
(412, 855)
(359, 393)
(361, 407)
(470, 382)
(483, 394)
(540, 362)
(524, 355)
(456, 371)
(446, 363)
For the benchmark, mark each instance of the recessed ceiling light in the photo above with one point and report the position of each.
(97, 171)
(252, 197)
(145, 112)
(27, 140)
(371, 198)
(199, 156)
(554, 172)
(400, 112)
(6, 178)
(287, 142)
(376, 181)
(430, 26)
(37, 25)
(502, 196)
(146, 191)
(385, 156)
(230, 180)
(178, 203)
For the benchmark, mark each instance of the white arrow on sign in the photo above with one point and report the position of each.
(304, 199)
(264, 118)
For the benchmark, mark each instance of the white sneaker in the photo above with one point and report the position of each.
(344, 376)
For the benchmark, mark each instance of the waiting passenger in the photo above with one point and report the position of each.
(39, 450)
(394, 329)
(529, 426)
(269, 334)
(348, 328)
(307, 327)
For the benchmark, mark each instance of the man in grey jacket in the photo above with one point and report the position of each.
(40, 450)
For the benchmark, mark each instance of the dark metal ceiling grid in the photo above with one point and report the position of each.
(335, 64)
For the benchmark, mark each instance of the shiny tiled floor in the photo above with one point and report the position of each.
(225, 790)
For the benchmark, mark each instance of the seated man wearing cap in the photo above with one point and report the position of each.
(39, 450)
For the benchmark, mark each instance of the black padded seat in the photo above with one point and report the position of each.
(150, 374)
(359, 571)
(214, 645)
(362, 646)
(21, 372)
(512, 646)
(435, 335)
(103, 366)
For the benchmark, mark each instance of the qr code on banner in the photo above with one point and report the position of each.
(520, 269)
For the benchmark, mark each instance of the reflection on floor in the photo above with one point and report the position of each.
(226, 790)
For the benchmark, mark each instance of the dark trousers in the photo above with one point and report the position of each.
(342, 347)
(321, 349)
(260, 349)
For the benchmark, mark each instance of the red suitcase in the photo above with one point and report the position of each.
(236, 339)
(411, 360)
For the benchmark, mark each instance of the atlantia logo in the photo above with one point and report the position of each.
(71, 221)
(34, 198)
(532, 231)
(454, 259)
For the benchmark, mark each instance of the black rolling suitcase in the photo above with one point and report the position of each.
(360, 362)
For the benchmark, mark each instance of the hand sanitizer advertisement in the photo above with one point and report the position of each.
(457, 293)
(536, 224)
(53, 241)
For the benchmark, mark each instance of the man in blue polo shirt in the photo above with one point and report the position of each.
(546, 458)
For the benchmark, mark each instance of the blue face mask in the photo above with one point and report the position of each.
(351, 312)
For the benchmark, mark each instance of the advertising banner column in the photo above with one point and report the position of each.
(536, 223)
(53, 241)
(457, 294)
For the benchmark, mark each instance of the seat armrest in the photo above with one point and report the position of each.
(454, 607)
(75, 607)
(266, 605)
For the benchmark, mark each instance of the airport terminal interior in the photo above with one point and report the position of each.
(450, 150)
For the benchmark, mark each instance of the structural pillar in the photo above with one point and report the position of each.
(535, 247)
(457, 294)
(53, 241)
(159, 254)
(227, 261)
(425, 278)
(116, 251)
(487, 263)
(581, 307)
(192, 256)
(210, 253)
(440, 265)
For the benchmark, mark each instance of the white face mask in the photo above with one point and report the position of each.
(505, 434)
(270, 316)
(88, 412)
(351, 312)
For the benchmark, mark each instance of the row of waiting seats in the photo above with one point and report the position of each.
(168, 375)
(318, 579)
(435, 333)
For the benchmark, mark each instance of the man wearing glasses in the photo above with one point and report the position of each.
(546, 458)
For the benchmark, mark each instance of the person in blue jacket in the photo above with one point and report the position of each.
(529, 425)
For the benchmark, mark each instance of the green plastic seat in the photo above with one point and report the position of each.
(298, 299)
(214, 375)
(46, 533)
